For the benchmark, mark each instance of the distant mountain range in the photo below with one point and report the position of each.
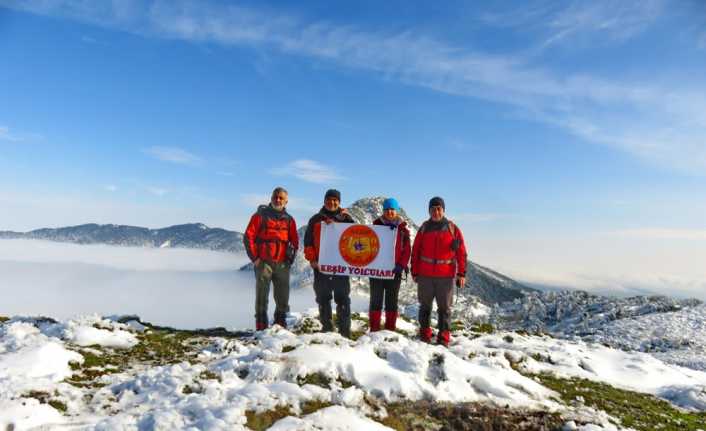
(192, 235)
(489, 286)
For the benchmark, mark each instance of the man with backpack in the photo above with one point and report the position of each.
(438, 257)
(328, 286)
(271, 242)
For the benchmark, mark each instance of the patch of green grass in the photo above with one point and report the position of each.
(429, 415)
(46, 398)
(263, 420)
(58, 405)
(358, 317)
(317, 379)
(308, 325)
(357, 334)
(155, 347)
(314, 405)
(4, 319)
(457, 325)
(483, 328)
(642, 412)
(209, 375)
(260, 421)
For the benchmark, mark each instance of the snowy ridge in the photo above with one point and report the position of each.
(227, 380)
(670, 329)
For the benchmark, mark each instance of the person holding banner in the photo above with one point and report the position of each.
(386, 289)
(438, 256)
(271, 241)
(328, 286)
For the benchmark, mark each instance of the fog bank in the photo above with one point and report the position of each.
(181, 288)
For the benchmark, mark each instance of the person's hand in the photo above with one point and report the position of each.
(461, 282)
(257, 262)
(314, 265)
(344, 210)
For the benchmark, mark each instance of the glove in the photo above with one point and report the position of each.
(393, 227)
(398, 269)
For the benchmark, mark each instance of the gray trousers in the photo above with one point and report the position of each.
(278, 274)
(440, 289)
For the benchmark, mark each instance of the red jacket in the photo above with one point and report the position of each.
(403, 247)
(312, 236)
(434, 254)
(268, 234)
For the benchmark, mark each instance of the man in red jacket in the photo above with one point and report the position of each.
(271, 242)
(438, 256)
(328, 286)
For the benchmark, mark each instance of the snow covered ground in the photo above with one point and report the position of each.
(677, 337)
(225, 380)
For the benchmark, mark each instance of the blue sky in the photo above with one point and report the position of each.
(541, 123)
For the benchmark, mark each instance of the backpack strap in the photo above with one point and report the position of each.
(452, 229)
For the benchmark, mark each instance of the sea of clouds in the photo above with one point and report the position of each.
(176, 287)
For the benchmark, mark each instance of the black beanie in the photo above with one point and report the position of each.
(333, 193)
(436, 201)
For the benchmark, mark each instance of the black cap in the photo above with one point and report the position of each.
(436, 201)
(332, 193)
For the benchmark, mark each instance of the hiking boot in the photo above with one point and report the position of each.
(390, 320)
(444, 338)
(425, 334)
(325, 317)
(375, 317)
(281, 319)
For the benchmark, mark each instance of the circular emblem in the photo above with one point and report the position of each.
(359, 245)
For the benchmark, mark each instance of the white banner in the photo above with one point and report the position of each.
(357, 250)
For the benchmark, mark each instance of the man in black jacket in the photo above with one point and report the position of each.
(329, 286)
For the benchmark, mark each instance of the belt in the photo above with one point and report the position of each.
(437, 261)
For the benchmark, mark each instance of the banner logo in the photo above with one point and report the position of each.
(359, 245)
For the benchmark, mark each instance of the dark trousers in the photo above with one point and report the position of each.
(440, 289)
(387, 290)
(278, 274)
(337, 287)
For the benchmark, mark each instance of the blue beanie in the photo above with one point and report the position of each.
(390, 203)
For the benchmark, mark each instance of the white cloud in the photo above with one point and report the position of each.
(308, 170)
(618, 19)
(172, 154)
(664, 124)
(6, 135)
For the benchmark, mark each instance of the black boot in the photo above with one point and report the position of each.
(325, 317)
(343, 318)
(280, 319)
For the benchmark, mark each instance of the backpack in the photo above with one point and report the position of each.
(455, 244)
(262, 210)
